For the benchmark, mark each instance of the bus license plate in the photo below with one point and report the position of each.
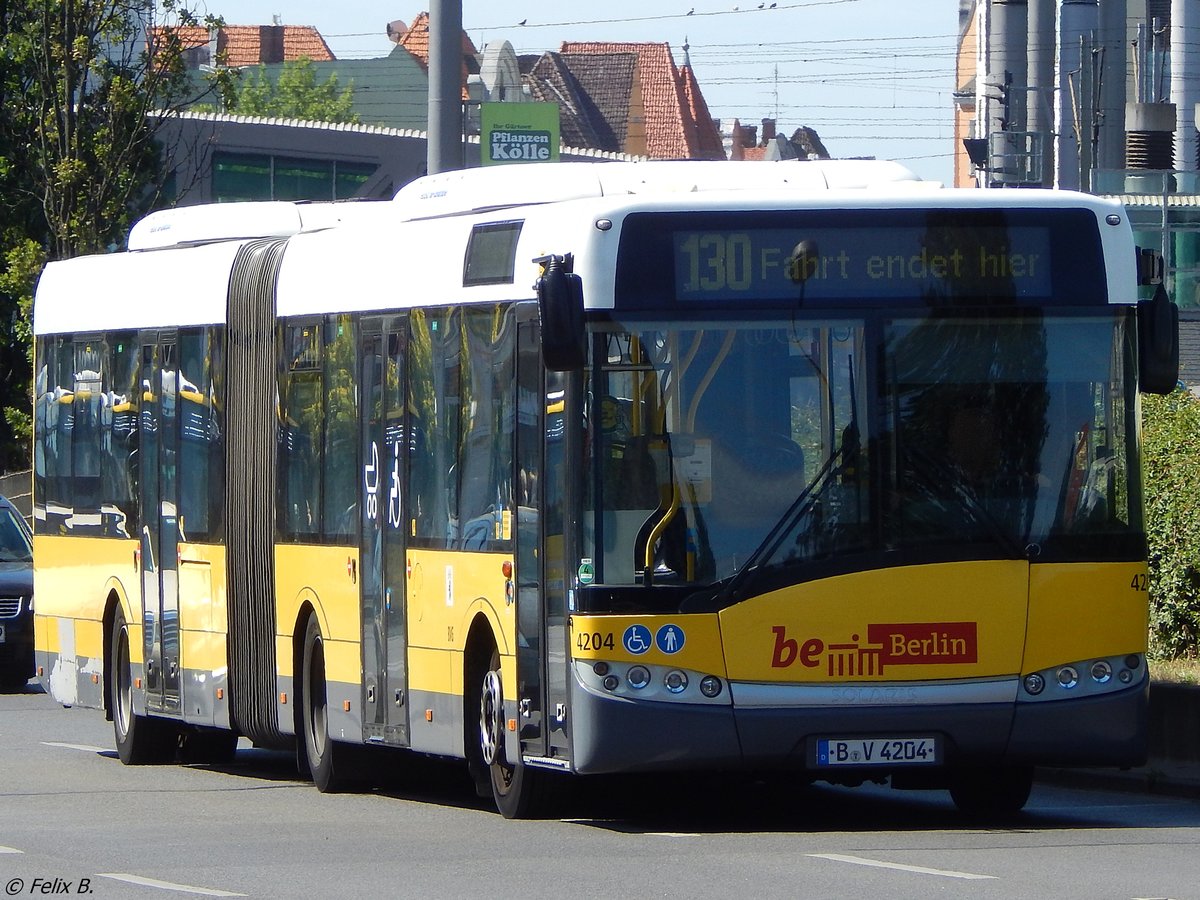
(877, 751)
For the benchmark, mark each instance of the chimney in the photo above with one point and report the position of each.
(396, 31)
(1150, 140)
(768, 131)
(270, 43)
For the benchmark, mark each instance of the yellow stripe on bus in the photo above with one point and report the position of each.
(1079, 611)
(949, 620)
(327, 579)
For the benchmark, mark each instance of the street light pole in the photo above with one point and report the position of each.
(445, 141)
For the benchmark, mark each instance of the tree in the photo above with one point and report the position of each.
(295, 94)
(1171, 451)
(84, 93)
(99, 77)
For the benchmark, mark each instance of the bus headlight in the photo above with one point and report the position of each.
(638, 677)
(1083, 678)
(1101, 671)
(676, 682)
(710, 686)
(1068, 677)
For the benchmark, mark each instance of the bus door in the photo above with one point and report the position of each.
(383, 452)
(541, 602)
(158, 451)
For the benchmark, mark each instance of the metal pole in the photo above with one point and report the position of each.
(445, 141)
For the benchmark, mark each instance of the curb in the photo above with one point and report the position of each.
(1156, 778)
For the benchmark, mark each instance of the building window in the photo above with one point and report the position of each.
(253, 176)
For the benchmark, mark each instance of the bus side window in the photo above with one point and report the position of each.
(119, 467)
(434, 399)
(339, 475)
(486, 461)
(302, 409)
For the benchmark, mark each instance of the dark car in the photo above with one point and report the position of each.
(16, 598)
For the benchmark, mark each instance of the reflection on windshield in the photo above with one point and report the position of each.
(722, 450)
(703, 438)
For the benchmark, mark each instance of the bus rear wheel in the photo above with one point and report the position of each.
(141, 740)
(518, 791)
(322, 752)
(991, 793)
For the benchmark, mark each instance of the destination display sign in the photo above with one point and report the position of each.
(861, 262)
(854, 257)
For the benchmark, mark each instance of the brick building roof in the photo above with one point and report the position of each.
(678, 125)
(250, 45)
(593, 94)
(416, 42)
(708, 137)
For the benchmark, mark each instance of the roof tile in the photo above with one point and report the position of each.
(249, 45)
(416, 42)
(672, 129)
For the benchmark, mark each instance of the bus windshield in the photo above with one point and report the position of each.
(727, 459)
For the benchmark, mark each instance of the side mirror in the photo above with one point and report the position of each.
(1158, 343)
(560, 307)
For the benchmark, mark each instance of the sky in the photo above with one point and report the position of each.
(872, 77)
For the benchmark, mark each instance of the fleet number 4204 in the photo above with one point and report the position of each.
(595, 640)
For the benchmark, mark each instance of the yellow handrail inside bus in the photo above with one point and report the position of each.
(659, 528)
(707, 380)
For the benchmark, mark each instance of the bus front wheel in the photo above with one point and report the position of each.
(991, 793)
(517, 790)
(141, 740)
(321, 750)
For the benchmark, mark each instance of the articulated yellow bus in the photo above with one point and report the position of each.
(595, 468)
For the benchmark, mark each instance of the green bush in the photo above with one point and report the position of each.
(1171, 462)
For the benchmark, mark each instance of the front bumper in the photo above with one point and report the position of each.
(617, 734)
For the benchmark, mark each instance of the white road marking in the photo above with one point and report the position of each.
(166, 885)
(879, 864)
(84, 747)
(10, 850)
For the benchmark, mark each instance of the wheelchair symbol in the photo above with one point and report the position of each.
(637, 639)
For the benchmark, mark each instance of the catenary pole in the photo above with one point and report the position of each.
(445, 143)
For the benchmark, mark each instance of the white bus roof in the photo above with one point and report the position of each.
(498, 187)
(410, 252)
(240, 221)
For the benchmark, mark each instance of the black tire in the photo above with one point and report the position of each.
(991, 793)
(141, 740)
(518, 791)
(323, 754)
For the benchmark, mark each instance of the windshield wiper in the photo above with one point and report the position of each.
(843, 459)
(947, 482)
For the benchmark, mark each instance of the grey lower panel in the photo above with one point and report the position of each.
(200, 703)
(342, 708)
(77, 682)
(613, 734)
(1106, 730)
(435, 723)
(285, 699)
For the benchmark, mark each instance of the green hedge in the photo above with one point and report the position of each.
(1171, 462)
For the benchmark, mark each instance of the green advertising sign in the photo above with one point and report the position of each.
(518, 133)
